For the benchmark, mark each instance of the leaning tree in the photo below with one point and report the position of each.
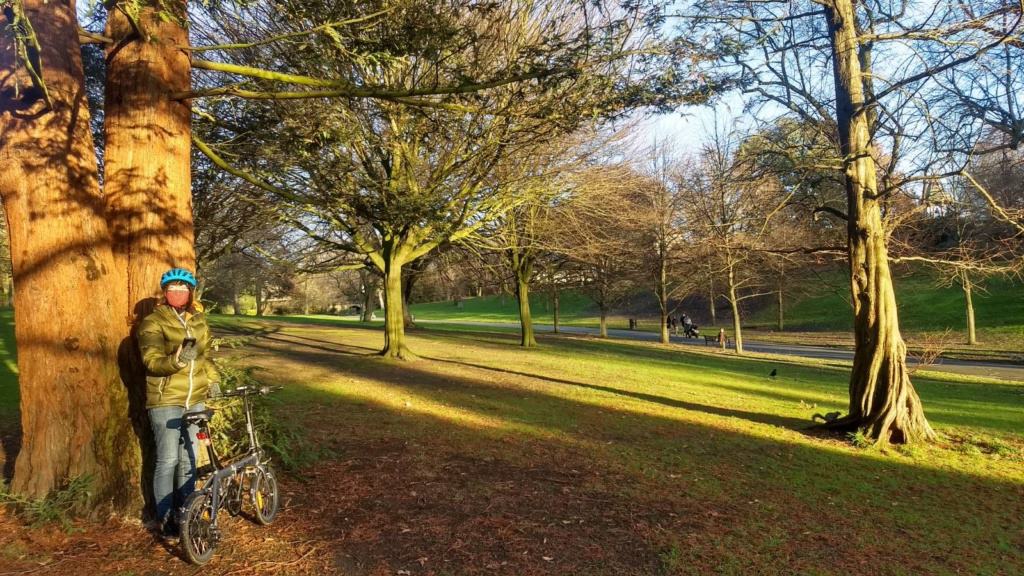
(836, 63)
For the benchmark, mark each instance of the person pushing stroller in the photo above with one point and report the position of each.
(690, 329)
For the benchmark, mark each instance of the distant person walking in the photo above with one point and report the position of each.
(721, 338)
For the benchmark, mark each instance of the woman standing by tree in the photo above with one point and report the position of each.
(174, 340)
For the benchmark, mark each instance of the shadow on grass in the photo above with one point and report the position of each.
(771, 419)
(618, 491)
(997, 407)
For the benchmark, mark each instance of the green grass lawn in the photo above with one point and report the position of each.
(592, 457)
(923, 306)
(573, 307)
(821, 318)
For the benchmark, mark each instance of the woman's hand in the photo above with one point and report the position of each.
(186, 353)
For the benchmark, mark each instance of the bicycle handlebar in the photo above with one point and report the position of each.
(250, 391)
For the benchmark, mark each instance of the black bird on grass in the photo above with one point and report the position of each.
(773, 373)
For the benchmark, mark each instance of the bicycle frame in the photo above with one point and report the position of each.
(222, 473)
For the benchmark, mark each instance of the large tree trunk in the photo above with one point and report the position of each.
(147, 158)
(527, 339)
(883, 402)
(968, 288)
(69, 301)
(368, 291)
(394, 317)
(522, 269)
(147, 177)
(603, 326)
(737, 329)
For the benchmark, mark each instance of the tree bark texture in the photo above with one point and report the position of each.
(883, 402)
(416, 268)
(367, 310)
(147, 177)
(527, 339)
(522, 268)
(147, 159)
(394, 317)
(69, 304)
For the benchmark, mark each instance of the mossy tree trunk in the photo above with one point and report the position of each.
(394, 315)
(368, 291)
(69, 303)
(521, 262)
(883, 402)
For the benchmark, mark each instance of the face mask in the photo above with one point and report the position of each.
(177, 298)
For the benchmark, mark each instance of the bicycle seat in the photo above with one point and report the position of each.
(198, 417)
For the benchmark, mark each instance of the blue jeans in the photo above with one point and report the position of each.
(175, 474)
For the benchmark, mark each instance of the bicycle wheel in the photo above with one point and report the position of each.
(264, 495)
(196, 535)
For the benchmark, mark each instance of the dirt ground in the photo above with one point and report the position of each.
(385, 510)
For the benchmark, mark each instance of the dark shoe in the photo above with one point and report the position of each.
(170, 530)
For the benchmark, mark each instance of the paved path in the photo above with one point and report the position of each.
(1003, 371)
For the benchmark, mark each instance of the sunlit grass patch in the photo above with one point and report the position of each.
(714, 454)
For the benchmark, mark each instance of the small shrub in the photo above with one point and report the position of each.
(59, 507)
(859, 439)
(284, 443)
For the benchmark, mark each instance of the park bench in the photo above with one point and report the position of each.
(713, 339)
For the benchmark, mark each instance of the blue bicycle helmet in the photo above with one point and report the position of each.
(179, 274)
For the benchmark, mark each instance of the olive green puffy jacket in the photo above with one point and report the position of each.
(160, 334)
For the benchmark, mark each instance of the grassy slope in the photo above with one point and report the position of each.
(572, 306)
(925, 309)
(703, 453)
(923, 306)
